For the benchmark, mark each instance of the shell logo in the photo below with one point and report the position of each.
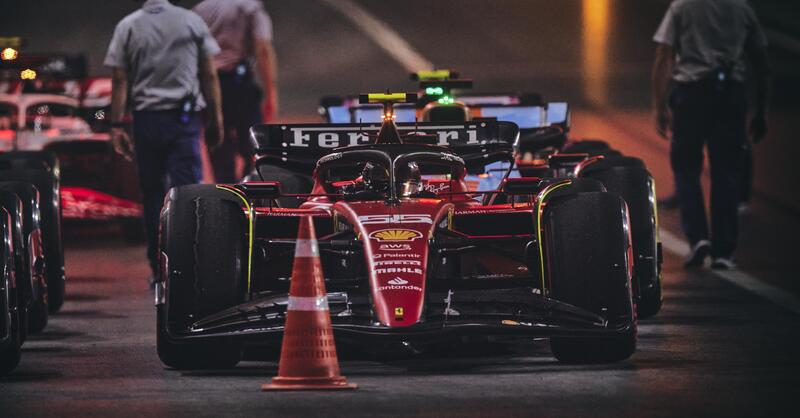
(395, 235)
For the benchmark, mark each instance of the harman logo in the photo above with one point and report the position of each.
(395, 235)
(398, 281)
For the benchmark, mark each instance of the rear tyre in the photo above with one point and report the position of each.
(203, 253)
(628, 177)
(42, 170)
(10, 322)
(590, 146)
(291, 182)
(21, 200)
(586, 245)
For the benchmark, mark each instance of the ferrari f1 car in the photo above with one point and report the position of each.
(32, 282)
(55, 108)
(409, 255)
(543, 150)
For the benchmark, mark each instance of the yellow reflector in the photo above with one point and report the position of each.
(433, 75)
(386, 97)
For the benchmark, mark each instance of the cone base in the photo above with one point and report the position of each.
(311, 384)
(308, 383)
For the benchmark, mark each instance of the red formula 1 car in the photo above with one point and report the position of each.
(543, 150)
(410, 257)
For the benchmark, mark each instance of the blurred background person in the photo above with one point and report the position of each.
(163, 55)
(244, 32)
(703, 48)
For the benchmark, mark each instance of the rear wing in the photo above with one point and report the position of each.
(298, 147)
(500, 107)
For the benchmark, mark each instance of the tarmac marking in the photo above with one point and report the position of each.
(384, 36)
(678, 246)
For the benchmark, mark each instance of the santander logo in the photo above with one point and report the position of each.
(398, 281)
(399, 284)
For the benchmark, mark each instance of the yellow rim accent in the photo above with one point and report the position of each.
(430, 75)
(539, 211)
(251, 221)
(450, 219)
(658, 229)
(386, 97)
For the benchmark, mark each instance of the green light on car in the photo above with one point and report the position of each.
(434, 91)
(446, 100)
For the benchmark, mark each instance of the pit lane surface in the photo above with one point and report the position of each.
(715, 349)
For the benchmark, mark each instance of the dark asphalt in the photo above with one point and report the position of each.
(714, 350)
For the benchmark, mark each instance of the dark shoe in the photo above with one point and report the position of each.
(722, 263)
(744, 208)
(697, 256)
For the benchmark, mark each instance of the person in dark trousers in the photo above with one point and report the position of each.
(163, 54)
(244, 32)
(703, 49)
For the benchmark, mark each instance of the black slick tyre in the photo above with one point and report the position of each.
(586, 246)
(628, 177)
(42, 170)
(291, 183)
(29, 260)
(10, 324)
(204, 271)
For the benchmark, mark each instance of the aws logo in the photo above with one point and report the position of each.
(395, 235)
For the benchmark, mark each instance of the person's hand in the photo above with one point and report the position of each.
(269, 109)
(758, 128)
(663, 121)
(214, 133)
(121, 142)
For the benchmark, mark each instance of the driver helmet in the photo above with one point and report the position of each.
(375, 177)
(410, 180)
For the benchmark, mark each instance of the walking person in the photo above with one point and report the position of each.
(703, 47)
(163, 54)
(244, 32)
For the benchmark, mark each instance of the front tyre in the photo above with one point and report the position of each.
(587, 250)
(628, 177)
(204, 267)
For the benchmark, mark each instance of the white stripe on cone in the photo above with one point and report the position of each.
(307, 303)
(306, 248)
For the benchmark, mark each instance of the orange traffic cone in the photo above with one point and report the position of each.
(308, 354)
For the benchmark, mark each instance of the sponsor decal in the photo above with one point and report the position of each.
(395, 235)
(328, 137)
(399, 284)
(451, 158)
(395, 219)
(333, 137)
(393, 270)
(330, 157)
(398, 313)
(393, 247)
(398, 262)
(398, 281)
(405, 247)
(437, 187)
